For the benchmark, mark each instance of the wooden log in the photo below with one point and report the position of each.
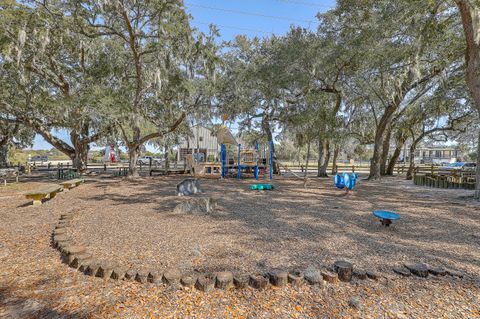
(278, 278)
(401, 271)
(224, 280)
(130, 274)
(104, 271)
(296, 278)
(92, 269)
(118, 273)
(79, 259)
(188, 281)
(258, 282)
(172, 277)
(205, 283)
(329, 276)
(419, 269)
(141, 277)
(344, 269)
(241, 281)
(154, 277)
(360, 274)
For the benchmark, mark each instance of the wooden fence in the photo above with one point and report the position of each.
(453, 179)
(399, 169)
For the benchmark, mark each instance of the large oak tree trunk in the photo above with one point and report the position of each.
(4, 155)
(80, 150)
(375, 160)
(394, 159)
(411, 156)
(133, 155)
(470, 14)
(134, 147)
(385, 151)
(305, 174)
(323, 157)
(79, 158)
(268, 132)
(379, 138)
(320, 155)
(477, 187)
(326, 160)
(167, 162)
(336, 151)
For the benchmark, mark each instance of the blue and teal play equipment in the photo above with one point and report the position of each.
(247, 160)
(345, 180)
(386, 217)
(261, 187)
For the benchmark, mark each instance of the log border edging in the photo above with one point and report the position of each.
(77, 257)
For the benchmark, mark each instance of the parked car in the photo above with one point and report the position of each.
(39, 158)
(469, 167)
(458, 166)
(146, 160)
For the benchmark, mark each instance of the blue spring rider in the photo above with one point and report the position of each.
(345, 180)
(386, 217)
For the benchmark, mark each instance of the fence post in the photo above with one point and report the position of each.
(431, 169)
(353, 168)
(104, 167)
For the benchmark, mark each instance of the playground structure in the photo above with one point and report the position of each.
(257, 161)
(248, 160)
(220, 155)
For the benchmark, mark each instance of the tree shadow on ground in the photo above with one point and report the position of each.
(303, 225)
(13, 306)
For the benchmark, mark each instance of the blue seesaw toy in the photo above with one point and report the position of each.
(346, 180)
(386, 217)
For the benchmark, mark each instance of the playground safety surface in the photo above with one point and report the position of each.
(290, 227)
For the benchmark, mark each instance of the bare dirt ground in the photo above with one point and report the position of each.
(133, 224)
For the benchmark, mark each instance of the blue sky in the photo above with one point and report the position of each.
(250, 17)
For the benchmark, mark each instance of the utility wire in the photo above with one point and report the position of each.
(234, 27)
(258, 14)
(302, 3)
(309, 4)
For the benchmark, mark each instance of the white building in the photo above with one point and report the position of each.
(437, 155)
(205, 142)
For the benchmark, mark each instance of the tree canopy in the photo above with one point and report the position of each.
(375, 74)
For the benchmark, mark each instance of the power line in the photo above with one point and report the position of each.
(303, 3)
(309, 4)
(258, 14)
(233, 27)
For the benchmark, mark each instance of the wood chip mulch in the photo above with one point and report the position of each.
(132, 222)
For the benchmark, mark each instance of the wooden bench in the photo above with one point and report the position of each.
(43, 193)
(71, 183)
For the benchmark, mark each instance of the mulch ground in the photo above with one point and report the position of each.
(290, 227)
